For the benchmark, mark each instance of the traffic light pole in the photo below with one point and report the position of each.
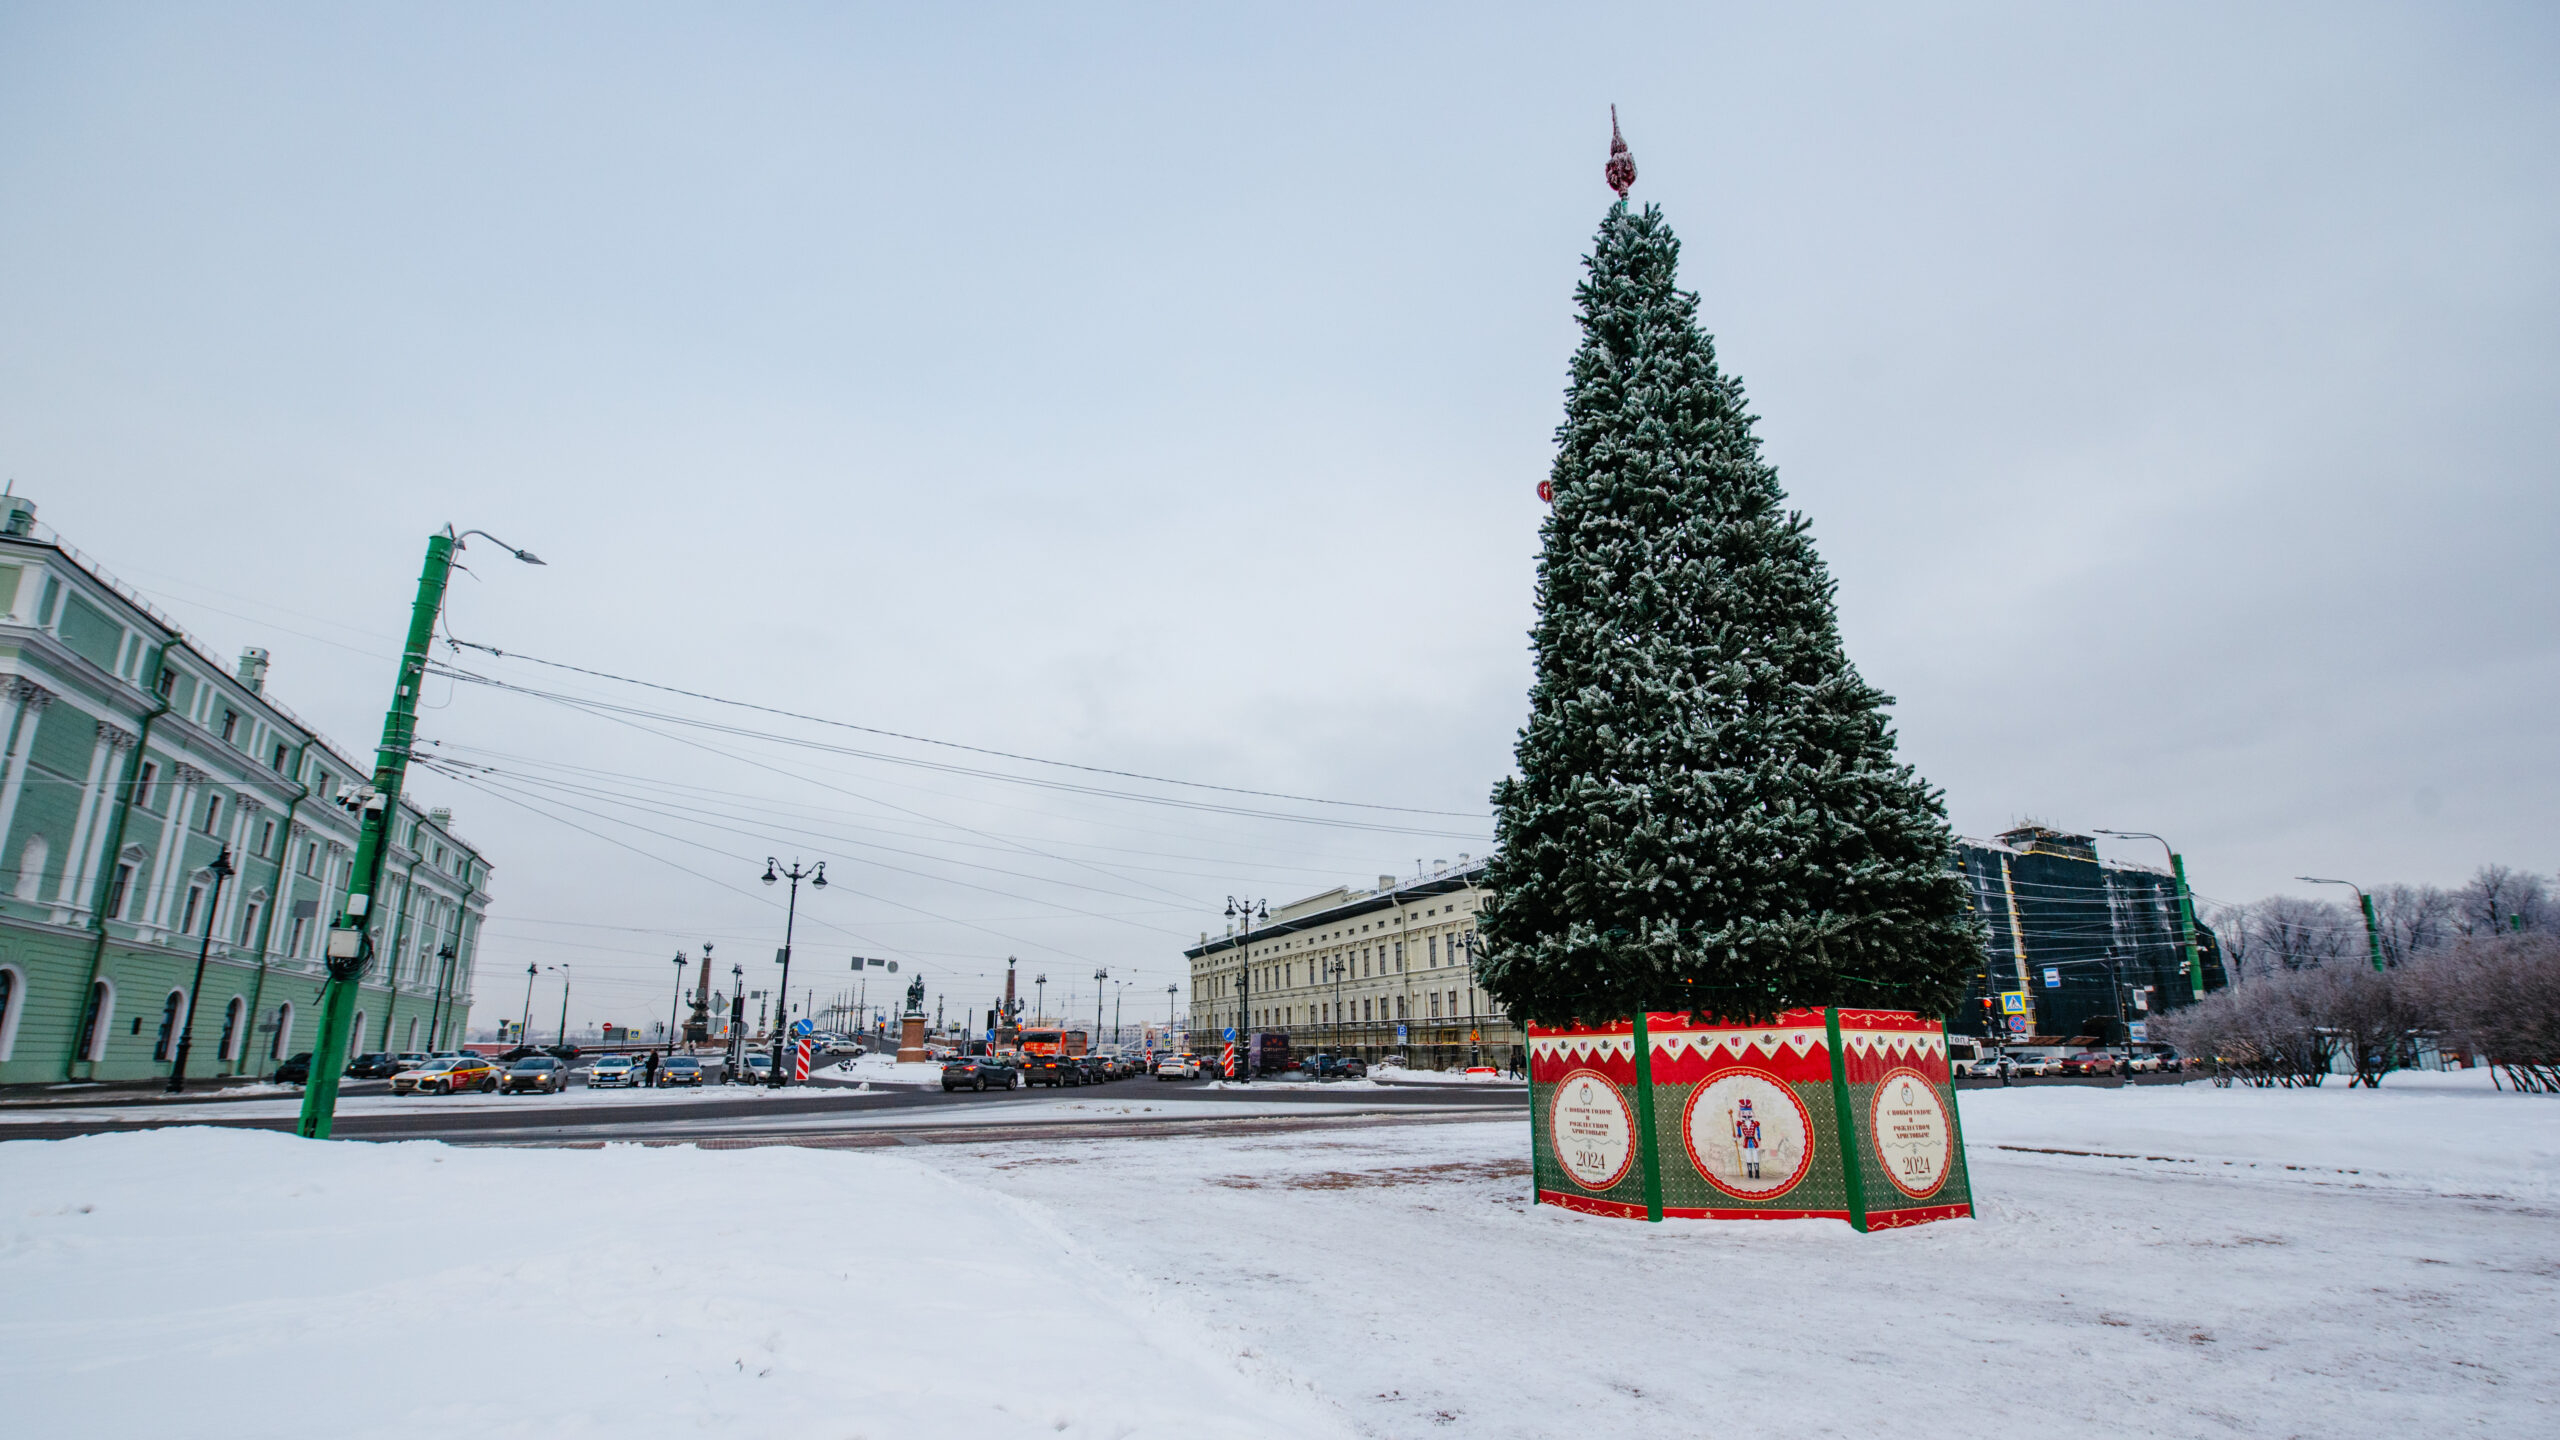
(350, 937)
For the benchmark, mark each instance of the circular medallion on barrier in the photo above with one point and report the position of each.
(1914, 1140)
(1747, 1133)
(1591, 1128)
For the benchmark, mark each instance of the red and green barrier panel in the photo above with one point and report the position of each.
(1833, 1113)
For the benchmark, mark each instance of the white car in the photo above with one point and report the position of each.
(1178, 1067)
(610, 1071)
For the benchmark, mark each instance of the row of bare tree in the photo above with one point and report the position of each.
(2495, 995)
(2285, 932)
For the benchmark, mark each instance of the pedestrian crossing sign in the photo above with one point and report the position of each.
(2013, 1002)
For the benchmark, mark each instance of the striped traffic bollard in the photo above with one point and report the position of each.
(800, 1061)
(1227, 1060)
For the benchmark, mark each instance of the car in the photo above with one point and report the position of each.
(409, 1060)
(296, 1071)
(2088, 1062)
(759, 1068)
(1178, 1067)
(545, 1074)
(1986, 1068)
(680, 1070)
(447, 1077)
(612, 1072)
(561, 1052)
(373, 1067)
(521, 1052)
(1097, 1069)
(978, 1072)
(1051, 1070)
(2027, 1065)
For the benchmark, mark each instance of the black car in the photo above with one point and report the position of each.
(1333, 1067)
(296, 1071)
(374, 1067)
(561, 1052)
(521, 1052)
(978, 1072)
(1096, 1069)
(540, 1073)
(1051, 1070)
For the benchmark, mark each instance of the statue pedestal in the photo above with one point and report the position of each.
(1842, 1114)
(911, 1041)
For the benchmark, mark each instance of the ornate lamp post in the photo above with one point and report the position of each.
(563, 968)
(524, 1027)
(817, 879)
(1099, 977)
(222, 870)
(1244, 913)
(676, 1001)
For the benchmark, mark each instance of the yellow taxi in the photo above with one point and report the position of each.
(446, 1075)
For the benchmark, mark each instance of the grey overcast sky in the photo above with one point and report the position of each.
(2171, 389)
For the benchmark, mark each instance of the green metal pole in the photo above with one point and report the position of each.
(2372, 930)
(2187, 926)
(1645, 1155)
(1852, 1156)
(350, 947)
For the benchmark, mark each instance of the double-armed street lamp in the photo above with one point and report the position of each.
(817, 878)
(2372, 927)
(1100, 975)
(1244, 913)
(222, 870)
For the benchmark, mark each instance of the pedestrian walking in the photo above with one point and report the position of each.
(653, 1069)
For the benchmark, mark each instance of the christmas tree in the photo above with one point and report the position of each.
(1708, 815)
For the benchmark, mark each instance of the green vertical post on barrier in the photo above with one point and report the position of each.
(1852, 1170)
(1955, 1116)
(1645, 1150)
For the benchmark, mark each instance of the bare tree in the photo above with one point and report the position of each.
(2500, 900)
(2286, 932)
(2414, 919)
(2499, 997)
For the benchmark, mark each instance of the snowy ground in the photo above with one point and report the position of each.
(2218, 1262)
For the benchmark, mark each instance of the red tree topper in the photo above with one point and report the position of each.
(1621, 169)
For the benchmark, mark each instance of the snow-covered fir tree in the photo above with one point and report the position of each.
(1708, 814)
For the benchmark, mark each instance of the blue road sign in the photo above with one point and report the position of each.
(2053, 977)
(801, 1027)
(2017, 1024)
(1231, 1034)
(1399, 1032)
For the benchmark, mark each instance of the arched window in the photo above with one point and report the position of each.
(31, 862)
(13, 998)
(281, 1047)
(93, 1024)
(355, 1040)
(173, 1016)
(234, 1021)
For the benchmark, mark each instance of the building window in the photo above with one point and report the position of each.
(310, 855)
(232, 1015)
(119, 889)
(93, 1024)
(13, 998)
(277, 761)
(249, 922)
(31, 861)
(281, 1046)
(355, 1040)
(168, 682)
(173, 1013)
(195, 897)
(293, 941)
(413, 1034)
(212, 813)
(142, 783)
(230, 725)
(266, 837)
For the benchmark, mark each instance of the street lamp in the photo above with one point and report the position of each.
(563, 968)
(1244, 913)
(524, 1027)
(1040, 998)
(1334, 970)
(2186, 908)
(222, 870)
(817, 879)
(2372, 929)
(1100, 975)
(677, 1000)
(737, 1021)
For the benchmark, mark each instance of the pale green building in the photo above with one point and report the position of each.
(128, 760)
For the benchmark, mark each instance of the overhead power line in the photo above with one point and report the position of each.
(947, 744)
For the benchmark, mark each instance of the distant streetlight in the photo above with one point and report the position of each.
(1244, 913)
(2372, 927)
(222, 870)
(2186, 908)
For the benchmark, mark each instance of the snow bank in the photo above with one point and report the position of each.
(879, 1070)
(222, 1283)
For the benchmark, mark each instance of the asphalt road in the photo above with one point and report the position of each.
(808, 1114)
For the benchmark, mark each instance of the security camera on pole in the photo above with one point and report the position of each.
(350, 938)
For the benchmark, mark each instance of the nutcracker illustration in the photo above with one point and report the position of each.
(1746, 1138)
